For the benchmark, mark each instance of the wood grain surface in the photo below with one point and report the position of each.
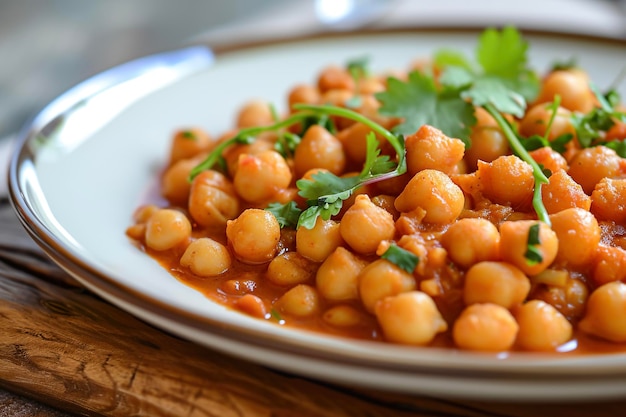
(63, 347)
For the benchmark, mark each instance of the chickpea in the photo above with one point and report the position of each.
(609, 265)
(188, 143)
(342, 316)
(259, 177)
(303, 93)
(289, 269)
(392, 186)
(381, 279)
(143, 213)
(579, 235)
(537, 118)
(617, 131)
(549, 159)
(496, 283)
(206, 257)
(410, 318)
(251, 305)
(167, 228)
(364, 225)
(434, 192)
(572, 86)
(338, 97)
(264, 142)
(429, 148)
(488, 141)
(591, 165)
(175, 185)
(319, 149)
(334, 77)
(514, 244)
(353, 139)
(254, 235)
(255, 113)
(471, 240)
(485, 327)
(369, 107)
(507, 180)
(300, 301)
(212, 199)
(136, 231)
(569, 299)
(605, 313)
(371, 85)
(320, 241)
(337, 277)
(562, 193)
(541, 327)
(607, 200)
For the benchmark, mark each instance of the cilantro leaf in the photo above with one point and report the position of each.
(419, 102)
(619, 146)
(189, 134)
(325, 193)
(503, 79)
(533, 255)
(324, 183)
(374, 163)
(489, 89)
(591, 127)
(358, 68)
(450, 58)
(401, 258)
(287, 143)
(502, 53)
(286, 214)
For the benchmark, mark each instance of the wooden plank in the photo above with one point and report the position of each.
(66, 347)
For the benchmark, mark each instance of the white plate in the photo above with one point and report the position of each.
(85, 163)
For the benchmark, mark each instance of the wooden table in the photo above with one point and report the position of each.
(65, 348)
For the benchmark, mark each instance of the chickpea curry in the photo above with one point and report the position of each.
(469, 204)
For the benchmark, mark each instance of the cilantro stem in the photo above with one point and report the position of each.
(243, 136)
(518, 149)
(396, 143)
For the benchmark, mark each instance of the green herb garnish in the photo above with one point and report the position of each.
(188, 134)
(326, 192)
(420, 102)
(500, 82)
(533, 254)
(401, 258)
(591, 127)
(286, 214)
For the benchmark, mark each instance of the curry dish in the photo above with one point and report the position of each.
(469, 204)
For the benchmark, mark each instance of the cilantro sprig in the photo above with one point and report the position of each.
(325, 192)
(499, 81)
(592, 127)
(539, 175)
(419, 101)
(286, 143)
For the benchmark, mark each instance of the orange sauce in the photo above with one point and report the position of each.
(244, 278)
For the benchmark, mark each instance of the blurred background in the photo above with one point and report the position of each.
(48, 46)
